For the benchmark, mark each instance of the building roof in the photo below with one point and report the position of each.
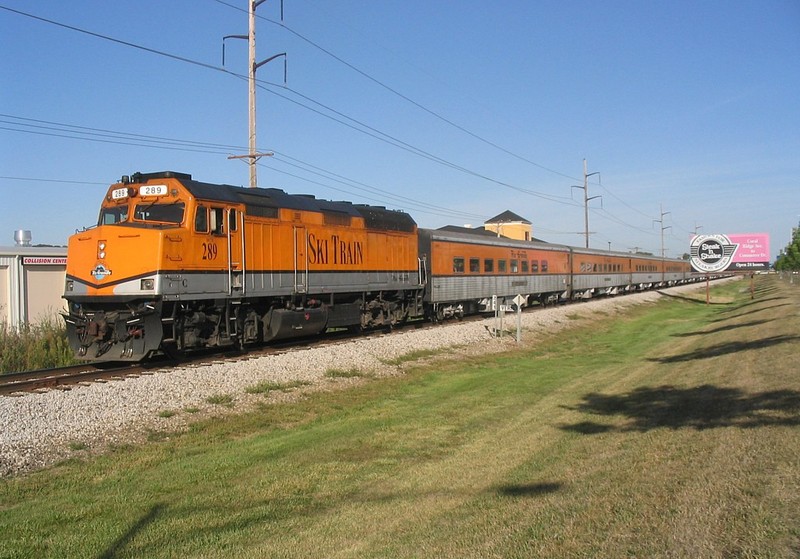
(468, 230)
(508, 217)
(32, 251)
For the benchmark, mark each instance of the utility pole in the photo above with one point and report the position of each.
(661, 222)
(252, 156)
(586, 199)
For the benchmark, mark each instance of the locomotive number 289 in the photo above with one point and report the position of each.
(209, 251)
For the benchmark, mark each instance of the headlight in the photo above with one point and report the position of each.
(70, 285)
(148, 284)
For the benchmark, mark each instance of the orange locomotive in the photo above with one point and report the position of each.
(175, 264)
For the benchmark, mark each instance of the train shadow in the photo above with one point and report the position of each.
(701, 407)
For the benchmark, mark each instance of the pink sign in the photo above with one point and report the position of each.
(752, 247)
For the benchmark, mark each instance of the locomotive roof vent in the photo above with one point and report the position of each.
(142, 177)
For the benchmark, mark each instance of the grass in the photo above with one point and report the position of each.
(268, 386)
(221, 400)
(415, 355)
(671, 431)
(345, 373)
(34, 346)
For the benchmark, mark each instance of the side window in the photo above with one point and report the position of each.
(475, 265)
(201, 220)
(233, 222)
(216, 221)
(514, 266)
(488, 265)
(524, 264)
(535, 266)
(501, 266)
(458, 265)
(544, 266)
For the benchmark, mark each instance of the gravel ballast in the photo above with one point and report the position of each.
(40, 429)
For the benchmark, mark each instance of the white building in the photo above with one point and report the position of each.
(31, 282)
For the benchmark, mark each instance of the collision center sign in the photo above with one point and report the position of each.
(730, 253)
(44, 260)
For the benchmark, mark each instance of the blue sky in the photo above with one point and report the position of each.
(454, 111)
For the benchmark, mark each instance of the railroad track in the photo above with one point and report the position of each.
(30, 381)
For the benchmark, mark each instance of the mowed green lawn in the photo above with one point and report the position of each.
(670, 431)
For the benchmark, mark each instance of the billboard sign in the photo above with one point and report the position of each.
(746, 252)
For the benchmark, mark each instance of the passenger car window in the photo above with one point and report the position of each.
(458, 265)
(475, 265)
(488, 265)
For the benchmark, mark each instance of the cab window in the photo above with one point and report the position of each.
(160, 213)
(201, 219)
(217, 215)
(110, 216)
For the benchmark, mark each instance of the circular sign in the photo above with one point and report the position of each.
(711, 253)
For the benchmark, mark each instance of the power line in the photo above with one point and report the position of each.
(401, 95)
(263, 85)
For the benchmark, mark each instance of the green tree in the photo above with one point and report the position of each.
(790, 257)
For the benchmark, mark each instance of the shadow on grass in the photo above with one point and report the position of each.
(122, 541)
(725, 348)
(722, 328)
(692, 299)
(749, 312)
(701, 407)
(751, 303)
(528, 489)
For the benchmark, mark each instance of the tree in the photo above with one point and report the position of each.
(789, 258)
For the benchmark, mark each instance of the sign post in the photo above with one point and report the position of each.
(518, 301)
